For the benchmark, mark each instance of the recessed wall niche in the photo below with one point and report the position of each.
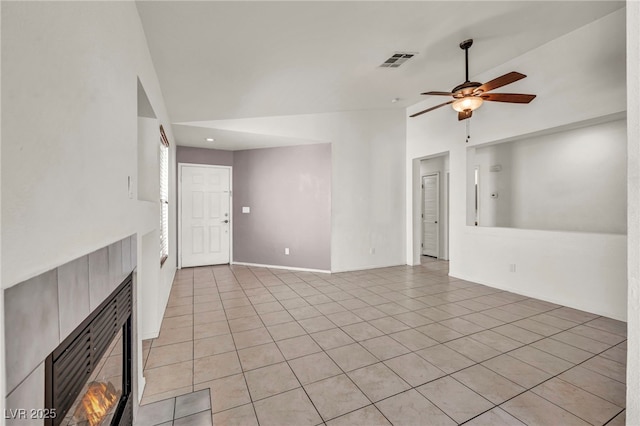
(570, 180)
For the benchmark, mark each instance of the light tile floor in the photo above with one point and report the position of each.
(401, 345)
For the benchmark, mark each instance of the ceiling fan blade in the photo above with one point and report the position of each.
(463, 115)
(438, 93)
(430, 109)
(514, 98)
(500, 81)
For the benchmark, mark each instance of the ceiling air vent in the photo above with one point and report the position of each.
(398, 59)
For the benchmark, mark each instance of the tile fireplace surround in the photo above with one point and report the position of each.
(42, 311)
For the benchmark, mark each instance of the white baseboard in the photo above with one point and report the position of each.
(151, 335)
(365, 268)
(291, 268)
(142, 383)
(535, 295)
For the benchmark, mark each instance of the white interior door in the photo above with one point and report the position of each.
(430, 215)
(205, 215)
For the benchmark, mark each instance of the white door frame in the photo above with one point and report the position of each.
(437, 175)
(445, 219)
(179, 227)
(476, 194)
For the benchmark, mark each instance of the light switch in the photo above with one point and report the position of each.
(246, 210)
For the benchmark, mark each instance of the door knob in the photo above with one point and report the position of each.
(225, 221)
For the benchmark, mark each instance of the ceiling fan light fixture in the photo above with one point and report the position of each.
(469, 96)
(468, 103)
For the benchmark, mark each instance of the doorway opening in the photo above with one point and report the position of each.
(431, 208)
(430, 215)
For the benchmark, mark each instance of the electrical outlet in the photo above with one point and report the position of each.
(286, 251)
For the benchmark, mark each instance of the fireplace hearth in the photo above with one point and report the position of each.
(88, 376)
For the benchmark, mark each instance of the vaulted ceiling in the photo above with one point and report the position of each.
(221, 60)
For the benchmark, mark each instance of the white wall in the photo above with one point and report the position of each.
(148, 279)
(554, 266)
(633, 193)
(367, 158)
(69, 78)
(573, 180)
(367, 207)
(148, 159)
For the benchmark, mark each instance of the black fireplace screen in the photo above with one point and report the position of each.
(88, 377)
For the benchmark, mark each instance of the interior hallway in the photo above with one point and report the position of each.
(393, 345)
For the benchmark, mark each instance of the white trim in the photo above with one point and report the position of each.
(142, 383)
(414, 210)
(179, 227)
(477, 195)
(365, 268)
(445, 220)
(535, 295)
(437, 175)
(292, 268)
(151, 335)
(164, 157)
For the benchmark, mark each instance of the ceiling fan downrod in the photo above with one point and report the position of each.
(465, 45)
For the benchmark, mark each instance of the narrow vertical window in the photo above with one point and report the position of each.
(164, 196)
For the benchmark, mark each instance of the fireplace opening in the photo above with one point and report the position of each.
(97, 402)
(88, 377)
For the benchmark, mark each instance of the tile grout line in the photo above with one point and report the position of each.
(479, 363)
(543, 337)
(255, 413)
(288, 365)
(345, 373)
(350, 291)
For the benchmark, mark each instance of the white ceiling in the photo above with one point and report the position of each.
(231, 60)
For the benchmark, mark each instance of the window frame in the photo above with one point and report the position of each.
(164, 196)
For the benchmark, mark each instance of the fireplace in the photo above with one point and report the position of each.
(88, 376)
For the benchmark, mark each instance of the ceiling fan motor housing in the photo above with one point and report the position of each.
(465, 88)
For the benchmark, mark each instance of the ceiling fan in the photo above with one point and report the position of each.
(468, 96)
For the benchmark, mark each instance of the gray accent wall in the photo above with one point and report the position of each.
(288, 191)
